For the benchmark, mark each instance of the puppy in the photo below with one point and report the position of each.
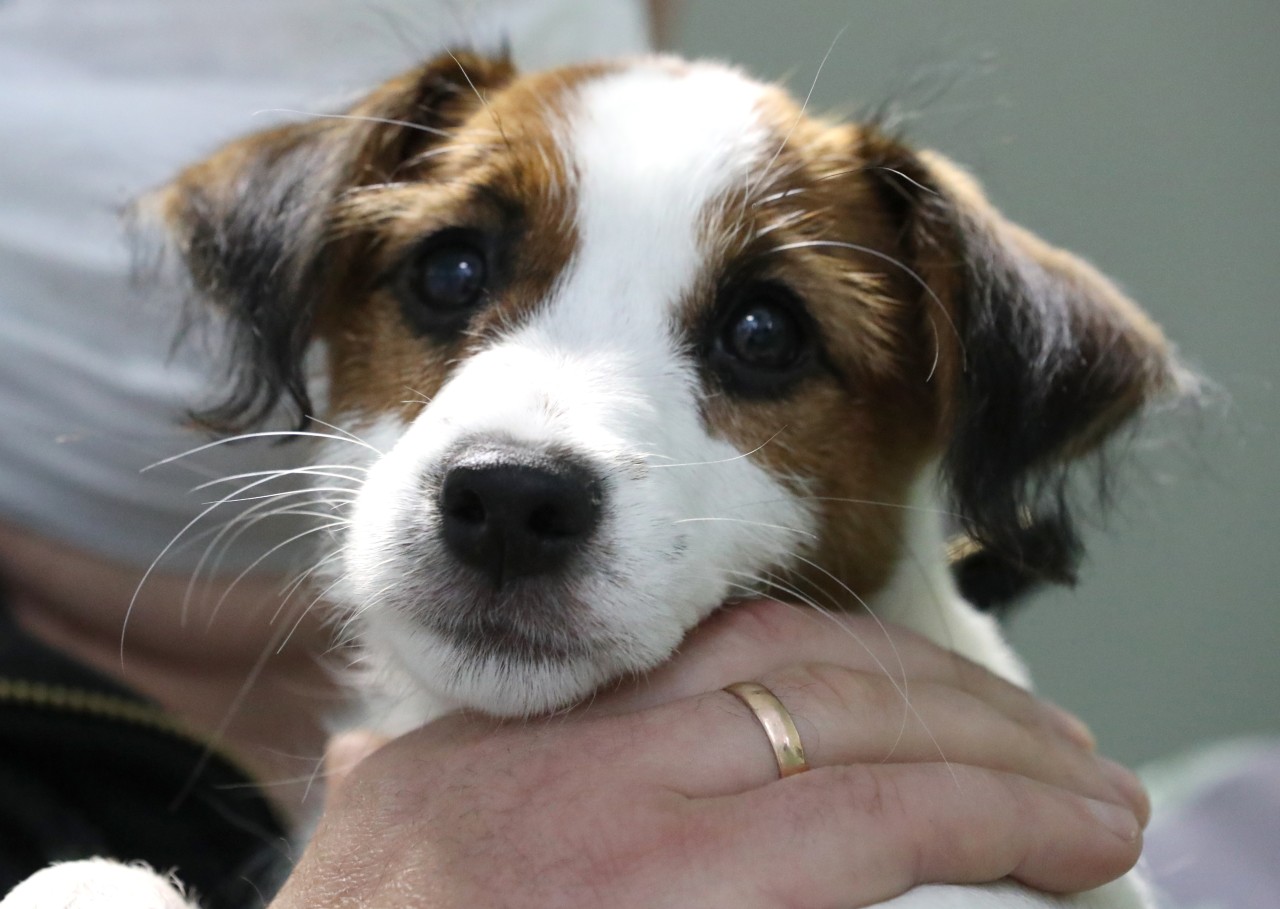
(612, 345)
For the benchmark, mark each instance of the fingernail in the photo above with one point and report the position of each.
(1127, 782)
(1073, 728)
(1120, 821)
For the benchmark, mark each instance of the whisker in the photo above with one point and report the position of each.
(903, 687)
(251, 517)
(900, 175)
(305, 612)
(780, 195)
(923, 509)
(737, 457)
(807, 605)
(768, 526)
(276, 548)
(146, 575)
(346, 433)
(804, 107)
(219, 732)
(359, 118)
(345, 633)
(484, 102)
(350, 498)
(885, 257)
(319, 470)
(275, 433)
(302, 576)
(241, 523)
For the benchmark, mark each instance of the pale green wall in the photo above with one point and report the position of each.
(1146, 136)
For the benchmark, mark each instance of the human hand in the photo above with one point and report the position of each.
(665, 792)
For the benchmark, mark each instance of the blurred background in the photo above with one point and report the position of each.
(1146, 136)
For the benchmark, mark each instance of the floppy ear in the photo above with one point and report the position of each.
(1043, 360)
(251, 224)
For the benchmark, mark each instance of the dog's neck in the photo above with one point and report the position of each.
(922, 595)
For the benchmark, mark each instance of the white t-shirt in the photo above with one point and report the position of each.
(101, 100)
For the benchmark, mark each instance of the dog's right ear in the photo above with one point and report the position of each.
(251, 224)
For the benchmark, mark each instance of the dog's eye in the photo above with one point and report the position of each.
(453, 276)
(764, 340)
(444, 281)
(763, 334)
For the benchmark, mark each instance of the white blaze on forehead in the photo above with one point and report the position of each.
(653, 148)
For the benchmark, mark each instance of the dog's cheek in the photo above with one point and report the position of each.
(849, 458)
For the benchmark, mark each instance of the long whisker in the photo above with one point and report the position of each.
(242, 523)
(884, 257)
(804, 107)
(319, 470)
(737, 457)
(763, 524)
(358, 118)
(305, 612)
(900, 506)
(806, 605)
(903, 687)
(275, 433)
(307, 490)
(276, 548)
(146, 575)
(237, 496)
(219, 732)
(484, 102)
(346, 433)
(301, 578)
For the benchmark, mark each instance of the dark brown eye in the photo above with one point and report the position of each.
(445, 281)
(764, 334)
(453, 276)
(763, 341)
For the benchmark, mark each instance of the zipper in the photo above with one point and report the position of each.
(115, 708)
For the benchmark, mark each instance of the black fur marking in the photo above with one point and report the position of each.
(1046, 376)
(256, 251)
(1047, 372)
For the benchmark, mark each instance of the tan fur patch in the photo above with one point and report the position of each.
(851, 438)
(500, 173)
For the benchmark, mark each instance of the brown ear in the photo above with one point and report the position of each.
(1043, 361)
(251, 224)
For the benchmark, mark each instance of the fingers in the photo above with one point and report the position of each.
(805, 840)
(713, 745)
(749, 640)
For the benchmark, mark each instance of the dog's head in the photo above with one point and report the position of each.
(632, 339)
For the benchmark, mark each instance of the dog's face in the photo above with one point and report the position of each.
(633, 339)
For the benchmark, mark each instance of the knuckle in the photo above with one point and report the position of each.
(864, 791)
(836, 689)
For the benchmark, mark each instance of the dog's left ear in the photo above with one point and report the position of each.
(1041, 359)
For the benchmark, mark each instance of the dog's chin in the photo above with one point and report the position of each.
(500, 669)
(507, 683)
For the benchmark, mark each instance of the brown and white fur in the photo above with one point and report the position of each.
(623, 342)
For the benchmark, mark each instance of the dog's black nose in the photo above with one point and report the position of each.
(510, 521)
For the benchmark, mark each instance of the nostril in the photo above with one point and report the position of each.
(463, 504)
(568, 517)
(548, 521)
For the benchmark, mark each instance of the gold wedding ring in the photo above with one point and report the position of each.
(778, 726)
